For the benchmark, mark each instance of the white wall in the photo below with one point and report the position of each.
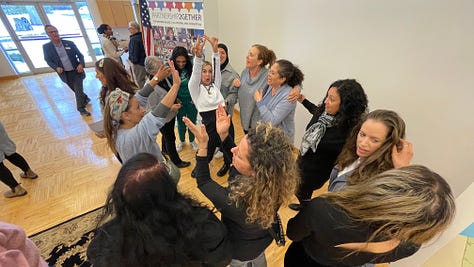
(415, 57)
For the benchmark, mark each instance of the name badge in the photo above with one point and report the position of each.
(67, 48)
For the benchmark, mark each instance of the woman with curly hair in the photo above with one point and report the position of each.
(381, 219)
(153, 224)
(267, 179)
(375, 145)
(326, 134)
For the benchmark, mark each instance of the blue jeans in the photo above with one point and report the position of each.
(259, 261)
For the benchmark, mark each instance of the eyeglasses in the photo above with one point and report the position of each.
(49, 32)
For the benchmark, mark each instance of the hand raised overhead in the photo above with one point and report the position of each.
(222, 122)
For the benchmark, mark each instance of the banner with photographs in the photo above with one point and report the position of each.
(175, 24)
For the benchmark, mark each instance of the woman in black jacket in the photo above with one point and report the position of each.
(326, 134)
(153, 224)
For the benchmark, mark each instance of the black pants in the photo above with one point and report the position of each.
(168, 141)
(209, 120)
(6, 175)
(295, 256)
(309, 182)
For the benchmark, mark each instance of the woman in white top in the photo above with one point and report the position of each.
(204, 89)
(110, 46)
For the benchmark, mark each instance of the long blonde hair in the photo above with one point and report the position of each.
(412, 204)
(276, 177)
(381, 159)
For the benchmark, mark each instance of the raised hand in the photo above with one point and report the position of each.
(200, 133)
(213, 41)
(258, 95)
(402, 153)
(222, 122)
(163, 72)
(174, 73)
(198, 46)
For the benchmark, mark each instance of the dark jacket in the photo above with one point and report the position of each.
(248, 239)
(52, 58)
(136, 50)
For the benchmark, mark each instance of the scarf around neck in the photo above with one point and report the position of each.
(315, 133)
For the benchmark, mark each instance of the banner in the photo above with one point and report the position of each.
(175, 24)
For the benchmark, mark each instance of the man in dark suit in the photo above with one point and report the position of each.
(64, 57)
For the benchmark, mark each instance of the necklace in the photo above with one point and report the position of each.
(208, 89)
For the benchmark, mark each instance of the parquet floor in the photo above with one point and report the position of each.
(75, 168)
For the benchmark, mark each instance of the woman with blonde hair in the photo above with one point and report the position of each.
(267, 179)
(381, 219)
(375, 145)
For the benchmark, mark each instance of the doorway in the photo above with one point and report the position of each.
(22, 32)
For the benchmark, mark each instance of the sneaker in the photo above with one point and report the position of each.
(84, 112)
(18, 191)
(218, 154)
(194, 145)
(29, 174)
(179, 147)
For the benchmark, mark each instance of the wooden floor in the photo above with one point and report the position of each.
(75, 168)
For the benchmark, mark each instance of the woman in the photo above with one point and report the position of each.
(326, 134)
(183, 64)
(267, 179)
(153, 224)
(8, 152)
(253, 78)
(110, 46)
(375, 145)
(381, 219)
(205, 93)
(228, 75)
(274, 105)
(128, 129)
(168, 139)
(228, 91)
(112, 75)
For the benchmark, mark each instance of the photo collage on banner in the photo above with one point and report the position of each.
(175, 24)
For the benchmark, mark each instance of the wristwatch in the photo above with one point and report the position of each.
(155, 79)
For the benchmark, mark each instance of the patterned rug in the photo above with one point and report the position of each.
(66, 243)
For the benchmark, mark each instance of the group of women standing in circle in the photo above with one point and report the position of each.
(379, 208)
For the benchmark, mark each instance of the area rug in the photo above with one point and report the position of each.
(66, 243)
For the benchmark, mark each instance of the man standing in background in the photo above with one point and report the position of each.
(136, 53)
(64, 57)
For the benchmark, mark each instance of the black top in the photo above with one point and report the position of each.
(248, 240)
(105, 249)
(320, 163)
(136, 50)
(321, 226)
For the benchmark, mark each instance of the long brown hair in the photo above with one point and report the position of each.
(411, 204)
(276, 177)
(116, 77)
(381, 159)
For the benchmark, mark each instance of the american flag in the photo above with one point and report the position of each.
(147, 31)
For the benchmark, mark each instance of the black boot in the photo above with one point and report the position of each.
(223, 170)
